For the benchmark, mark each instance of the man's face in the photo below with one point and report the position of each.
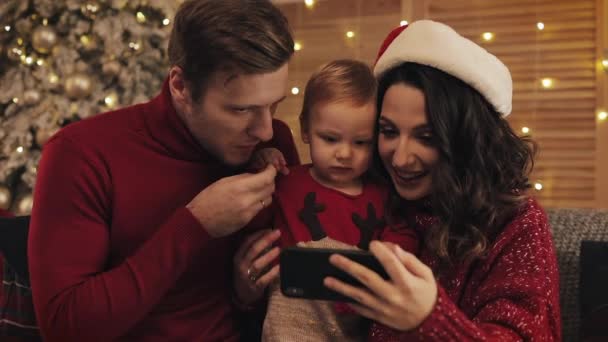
(235, 113)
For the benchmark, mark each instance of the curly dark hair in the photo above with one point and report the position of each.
(481, 176)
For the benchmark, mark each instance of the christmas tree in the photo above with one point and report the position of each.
(62, 61)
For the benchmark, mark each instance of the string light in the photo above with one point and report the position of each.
(19, 41)
(111, 100)
(295, 90)
(350, 34)
(538, 186)
(547, 82)
(540, 26)
(525, 130)
(403, 23)
(309, 3)
(7, 28)
(141, 18)
(134, 46)
(166, 21)
(20, 149)
(53, 78)
(15, 100)
(45, 21)
(29, 60)
(487, 36)
(297, 46)
(602, 115)
(40, 62)
(605, 63)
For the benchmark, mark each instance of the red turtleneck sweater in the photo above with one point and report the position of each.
(510, 295)
(113, 252)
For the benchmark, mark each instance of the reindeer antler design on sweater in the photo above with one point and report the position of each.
(308, 215)
(367, 226)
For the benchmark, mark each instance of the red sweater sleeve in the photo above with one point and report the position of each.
(512, 296)
(76, 296)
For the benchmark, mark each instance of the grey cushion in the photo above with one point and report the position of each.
(570, 227)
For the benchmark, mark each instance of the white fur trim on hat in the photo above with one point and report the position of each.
(438, 45)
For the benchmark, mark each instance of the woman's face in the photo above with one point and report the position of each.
(406, 143)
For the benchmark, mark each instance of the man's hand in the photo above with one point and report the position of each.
(229, 204)
(254, 265)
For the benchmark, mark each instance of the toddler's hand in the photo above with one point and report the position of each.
(265, 156)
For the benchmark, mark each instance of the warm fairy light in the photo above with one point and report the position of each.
(45, 21)
(309, 3)
(540, 26)
(20, 149)
(15, 100)
(350, 34)
(40, 62)
(525, 130)
(17, 51)
(605, 63)
(547, 82)
(134, 46)
(487, 36)
(111, 100)
(141, 18)
(538, 186)
(295, 90)
(19, 41)
(403, 23)
(7, 28)
(85, 40)
(53, 78)
(29, 60)
(166, 21)
(603, 115)
(297, 46)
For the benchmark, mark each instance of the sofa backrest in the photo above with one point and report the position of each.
(570, 227)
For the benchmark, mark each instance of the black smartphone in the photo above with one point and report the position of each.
(303, 271)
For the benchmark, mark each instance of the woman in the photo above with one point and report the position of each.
(487, 269)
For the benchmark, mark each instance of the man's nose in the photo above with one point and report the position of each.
(261, 127)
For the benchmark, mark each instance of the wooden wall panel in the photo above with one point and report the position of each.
(561, 119)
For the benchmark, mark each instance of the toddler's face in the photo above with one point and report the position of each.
(341, 136)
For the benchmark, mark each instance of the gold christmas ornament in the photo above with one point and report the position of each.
(44, 39)
(5, 197)
(78, 86)
(111, 68)
(89, 42)
(31, 97)
(25, 205)
(43, 135)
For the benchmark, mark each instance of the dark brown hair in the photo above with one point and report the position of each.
(482, 172)
(341, 80)
(249, 36)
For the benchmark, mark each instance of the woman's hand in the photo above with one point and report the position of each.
(252, 265)
(403, 302)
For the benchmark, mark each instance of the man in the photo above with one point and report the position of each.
(132, 233)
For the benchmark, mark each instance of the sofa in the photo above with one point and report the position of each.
(571, 227)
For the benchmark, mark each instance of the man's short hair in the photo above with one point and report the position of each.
(244, 36)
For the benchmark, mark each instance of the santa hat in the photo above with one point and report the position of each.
(439, 46)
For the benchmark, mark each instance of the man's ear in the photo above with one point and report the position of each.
(180, 91)
(304, 131)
